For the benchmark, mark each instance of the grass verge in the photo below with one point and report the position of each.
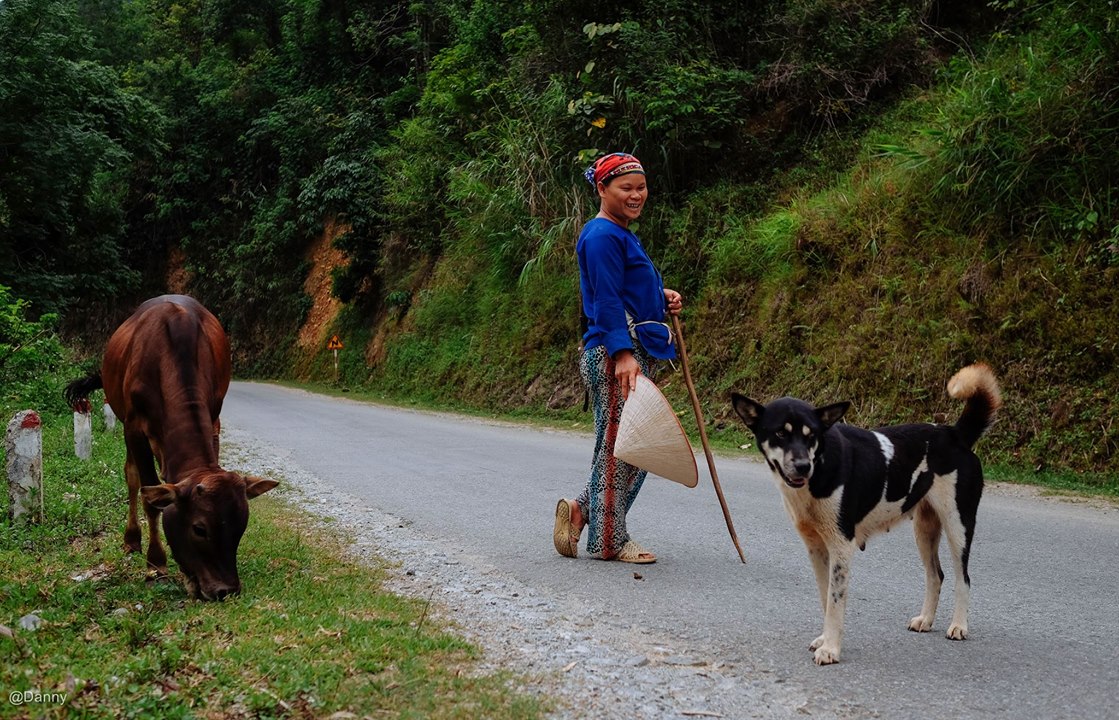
(1054, 482)
(313, 634)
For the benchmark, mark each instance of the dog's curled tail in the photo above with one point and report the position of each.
(80, 389)
(975, 384)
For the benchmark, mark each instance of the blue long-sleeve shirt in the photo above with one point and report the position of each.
(616, 276)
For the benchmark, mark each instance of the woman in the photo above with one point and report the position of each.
(624, 301)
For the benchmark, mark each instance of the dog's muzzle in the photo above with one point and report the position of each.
(794, 470)
(795, 480)
(800, 472)
(794, 483)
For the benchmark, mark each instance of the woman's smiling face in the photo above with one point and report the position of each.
(623, 198)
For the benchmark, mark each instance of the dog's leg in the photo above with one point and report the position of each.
(959, 542)
(818, 554)
(956, 542)
(926, 530)
(839, 571)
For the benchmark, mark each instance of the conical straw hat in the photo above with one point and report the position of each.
(650, 436)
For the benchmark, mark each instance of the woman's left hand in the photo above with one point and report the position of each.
(675, 301)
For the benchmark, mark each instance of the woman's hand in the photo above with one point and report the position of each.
(626, 371)
(675, 301)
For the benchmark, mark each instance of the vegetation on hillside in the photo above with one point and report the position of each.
(855, 197)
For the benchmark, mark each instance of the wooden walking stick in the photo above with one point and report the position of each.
(703, 433)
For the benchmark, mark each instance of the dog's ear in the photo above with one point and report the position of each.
(751, 412)
(830, 414)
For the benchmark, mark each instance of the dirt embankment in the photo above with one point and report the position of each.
(324, 257)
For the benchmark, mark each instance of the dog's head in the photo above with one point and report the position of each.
(790, 433)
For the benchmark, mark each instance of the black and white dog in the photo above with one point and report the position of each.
(842, 484)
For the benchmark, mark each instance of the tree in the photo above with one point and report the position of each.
(71, 138)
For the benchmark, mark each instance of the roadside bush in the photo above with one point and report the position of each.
(32, 362)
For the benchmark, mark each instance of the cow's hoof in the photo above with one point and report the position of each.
(192, 588)
(157, 575)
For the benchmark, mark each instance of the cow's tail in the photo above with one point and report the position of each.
(79, 390)
(977, 386)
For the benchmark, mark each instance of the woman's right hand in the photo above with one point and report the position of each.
(674, 301)
(626, 371)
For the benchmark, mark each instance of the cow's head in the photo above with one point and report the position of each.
(204, 517)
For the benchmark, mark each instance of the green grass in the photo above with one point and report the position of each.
(312, 634)
(1054, 482)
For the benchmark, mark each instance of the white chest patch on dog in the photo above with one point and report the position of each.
(887, 447)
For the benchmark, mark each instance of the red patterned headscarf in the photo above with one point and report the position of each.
(610, 166)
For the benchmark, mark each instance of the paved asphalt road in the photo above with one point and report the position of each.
(1045, 576)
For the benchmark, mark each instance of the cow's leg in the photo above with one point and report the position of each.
(132, 529)
(217, 432)
(140, 470)
(157, 558)
(138, 455)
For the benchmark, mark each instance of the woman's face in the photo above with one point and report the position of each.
(623, 199)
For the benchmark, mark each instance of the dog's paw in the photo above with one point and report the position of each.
(816, 643)
(827, 656)
(920, 624)
(956, 632)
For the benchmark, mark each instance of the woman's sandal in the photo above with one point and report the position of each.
(631, 552)
(566, 535)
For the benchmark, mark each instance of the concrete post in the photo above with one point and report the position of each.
(23, 443)
(110, 418)
(83, 431)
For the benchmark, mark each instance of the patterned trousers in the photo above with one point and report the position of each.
(613, 484)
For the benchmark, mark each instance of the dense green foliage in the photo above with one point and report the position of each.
(31, 359)
(855, 197)
(73, 142)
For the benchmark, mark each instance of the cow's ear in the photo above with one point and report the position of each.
(258, 486)
(750, 411)
(159, 496)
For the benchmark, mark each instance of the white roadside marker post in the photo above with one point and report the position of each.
(83, 431)
(23, 443)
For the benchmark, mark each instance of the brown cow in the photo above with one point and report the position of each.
(165, 373)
